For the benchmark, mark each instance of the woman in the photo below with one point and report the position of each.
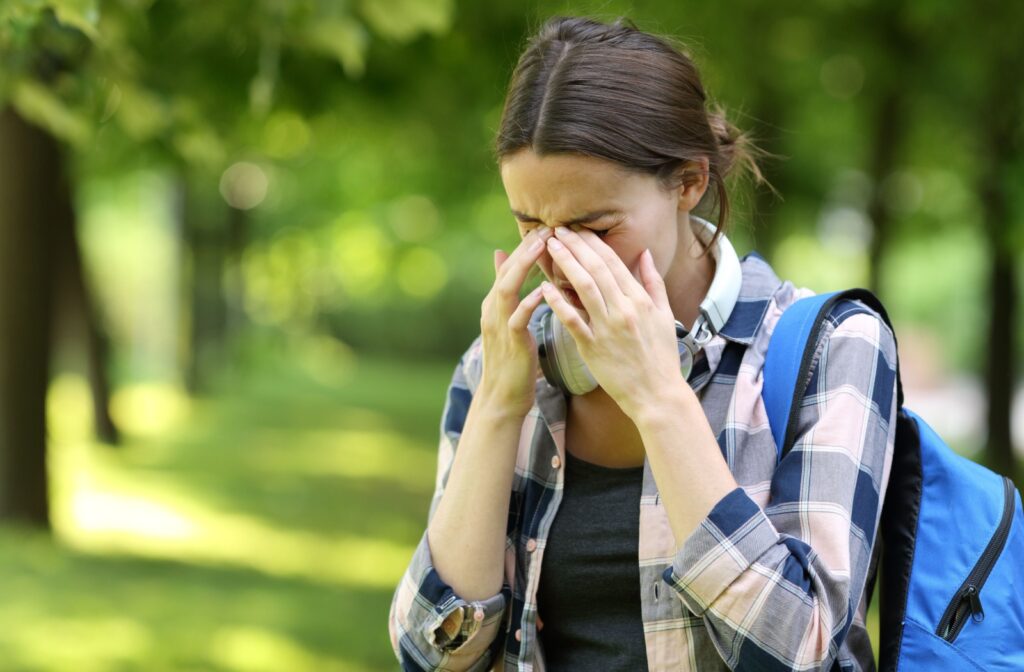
(644, 524)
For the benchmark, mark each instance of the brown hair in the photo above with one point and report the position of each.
(615, 92)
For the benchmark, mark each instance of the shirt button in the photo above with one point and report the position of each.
(478, 615)
(519, 635)
(555, 462)
(531, 545)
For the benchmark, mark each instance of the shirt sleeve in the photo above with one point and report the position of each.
(777, 587)
(432, 628)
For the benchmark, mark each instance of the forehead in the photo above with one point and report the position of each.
(566, 182)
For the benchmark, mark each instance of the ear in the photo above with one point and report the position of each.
(695, 179)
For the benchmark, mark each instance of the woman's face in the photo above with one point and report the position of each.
(628, 211)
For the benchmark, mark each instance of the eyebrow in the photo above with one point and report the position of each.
(583, 219)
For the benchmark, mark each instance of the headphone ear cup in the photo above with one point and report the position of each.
(577, 377)
(560, 359)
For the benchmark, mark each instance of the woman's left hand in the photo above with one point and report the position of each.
(630, 342)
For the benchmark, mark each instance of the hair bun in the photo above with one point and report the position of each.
(736, 147)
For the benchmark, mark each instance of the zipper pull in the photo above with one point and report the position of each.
(977, 613)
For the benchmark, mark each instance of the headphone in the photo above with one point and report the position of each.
(559, 356)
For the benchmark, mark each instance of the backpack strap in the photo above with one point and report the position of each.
(791, 349)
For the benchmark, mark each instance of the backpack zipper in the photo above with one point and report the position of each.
(967, 599)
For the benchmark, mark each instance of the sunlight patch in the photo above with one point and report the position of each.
(250, 649)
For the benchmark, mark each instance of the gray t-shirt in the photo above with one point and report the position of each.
(589, 592)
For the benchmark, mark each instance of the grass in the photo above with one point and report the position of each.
(263, 528)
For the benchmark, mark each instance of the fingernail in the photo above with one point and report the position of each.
(544, 233)
(554, 244)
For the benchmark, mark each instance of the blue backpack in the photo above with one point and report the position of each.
(952, 531)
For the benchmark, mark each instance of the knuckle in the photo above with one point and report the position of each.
(626, 318)
(505, 293)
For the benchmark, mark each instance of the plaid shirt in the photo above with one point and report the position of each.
(772, 579)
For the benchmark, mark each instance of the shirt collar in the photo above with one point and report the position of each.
(757, 288)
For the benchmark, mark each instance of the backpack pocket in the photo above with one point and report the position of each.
(967, 600)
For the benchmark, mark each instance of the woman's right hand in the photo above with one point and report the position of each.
(509, 349)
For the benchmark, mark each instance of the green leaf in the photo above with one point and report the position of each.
(402, 20)
(343, 38)
(200, 147)
(141, 114)
(81, 14)
(37, 104)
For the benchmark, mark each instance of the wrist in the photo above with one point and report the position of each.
(666, 405)
(498, 406)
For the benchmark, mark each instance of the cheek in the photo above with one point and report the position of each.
(629, 254)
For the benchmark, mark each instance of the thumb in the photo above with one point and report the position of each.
(652, 281)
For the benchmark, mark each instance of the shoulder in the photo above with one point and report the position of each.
(854, 321)
(846, 317)
(854, 358)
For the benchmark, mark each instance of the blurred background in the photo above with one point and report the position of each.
(243, 243)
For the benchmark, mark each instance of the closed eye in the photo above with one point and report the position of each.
(601, 233)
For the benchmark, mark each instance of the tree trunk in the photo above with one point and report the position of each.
(1000, 369)
(205, 245)
(766, 223)
(34, 196)
(1004, 109)
(888, 127)
(1001, 360)
(887, 94)
(75, 304)
(237, 239)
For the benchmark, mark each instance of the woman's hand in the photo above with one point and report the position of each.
(509, 349)
(630, 342)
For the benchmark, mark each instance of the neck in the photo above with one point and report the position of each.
(689, 278)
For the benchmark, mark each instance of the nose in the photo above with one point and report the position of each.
(547, 264)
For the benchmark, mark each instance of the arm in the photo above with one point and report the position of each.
(461, 555)
(449, 604)
(777, 587)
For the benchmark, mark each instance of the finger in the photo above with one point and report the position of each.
(629, 285)
(514, 269)
(581, 279)
(521, 316)
(594, 265)
(567, 313)
(653, 283)
(499, 258)
(540, 623)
